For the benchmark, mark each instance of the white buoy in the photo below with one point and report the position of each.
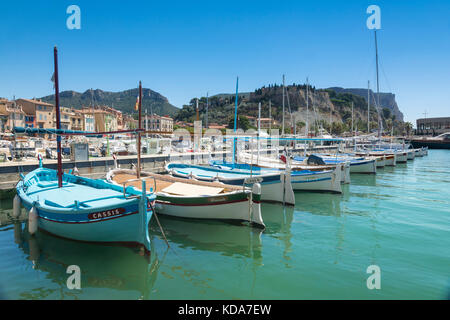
(32, 221)
(16, 206)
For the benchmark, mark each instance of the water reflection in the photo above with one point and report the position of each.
(369, 180)
(112, 267)
(324, 204)
(278, 220)
(226, 238)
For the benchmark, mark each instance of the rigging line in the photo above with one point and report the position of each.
(388, 84)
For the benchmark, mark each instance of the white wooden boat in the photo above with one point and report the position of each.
(329, 179)
(194, 199)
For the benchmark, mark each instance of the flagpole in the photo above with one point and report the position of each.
(58, 118)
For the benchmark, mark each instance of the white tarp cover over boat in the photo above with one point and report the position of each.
(184, 189)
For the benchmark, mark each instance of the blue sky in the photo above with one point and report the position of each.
(183, 49)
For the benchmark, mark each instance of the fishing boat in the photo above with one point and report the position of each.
(357, 164)
(83, 209)
(301, 180)
(411, 154)
(418, 152)
(275, 186)
(342, 169)
(194, 199)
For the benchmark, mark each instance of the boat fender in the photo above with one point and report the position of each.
(115, 161)
(16, 206)
(75, 171)
(32, 221)
(256, 217)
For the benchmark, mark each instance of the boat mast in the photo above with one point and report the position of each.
(368, 107)
(146, 131)
(58, 118)
(307, 107)
(380, 122)
(138, 170)
(235, 119)
(207, 106)
(259, 127)
(352, 117)
(270, 115)
(282, 130)
(196, 109)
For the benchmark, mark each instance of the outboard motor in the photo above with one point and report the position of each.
(315, 160)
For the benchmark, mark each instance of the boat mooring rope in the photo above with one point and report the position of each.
(159, 224)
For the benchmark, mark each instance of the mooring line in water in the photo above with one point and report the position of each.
(159, 224)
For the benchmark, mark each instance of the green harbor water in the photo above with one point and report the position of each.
(398, 220)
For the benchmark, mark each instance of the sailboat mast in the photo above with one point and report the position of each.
(282, 130)
(138, 170)
(270, 115)
(307, 107)
(235, 119)
(259, 127)
(352, 117)
(368, 107)
(207, 106)
(58, 117)
(380, 122)
(196, 109)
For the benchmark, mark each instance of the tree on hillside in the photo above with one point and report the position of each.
(243, 123)
(386, 113)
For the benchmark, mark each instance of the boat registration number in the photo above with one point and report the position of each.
(253, 180)
(106, 213)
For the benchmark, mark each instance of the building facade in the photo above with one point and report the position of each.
(158, 123)
(433, 126)
(40, 114)
(11, 115)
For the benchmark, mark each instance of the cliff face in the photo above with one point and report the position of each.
(323, 104)
(387, 100)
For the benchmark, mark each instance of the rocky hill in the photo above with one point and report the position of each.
(387, 100)
(322, 103)
(123, 100)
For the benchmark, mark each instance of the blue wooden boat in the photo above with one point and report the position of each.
(301, 180)
(80, 208)
(275, 186)
(85, 209)
(357, 164)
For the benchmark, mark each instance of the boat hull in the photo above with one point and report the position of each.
(325, 181)
(223, 209)
(109, 218)
(241, 204)
(381, 162)
(390, 160)
(364, 166)
(120, 230)
(401, 157)
(275, 187)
